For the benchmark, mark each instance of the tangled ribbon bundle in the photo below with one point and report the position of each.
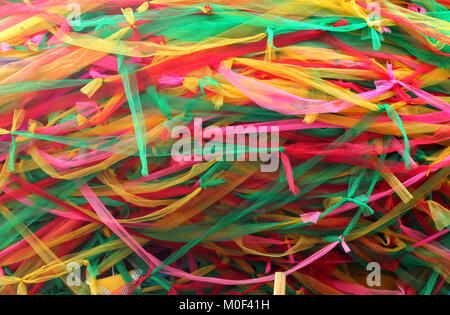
(96, 96)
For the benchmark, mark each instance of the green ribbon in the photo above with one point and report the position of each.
(427, 290)
(270, 34)
(161, 102)
(212, 183)
(395, 117)
(130, 85)
(205, 180)
(12, 152)
(376, 43)
(206, 81)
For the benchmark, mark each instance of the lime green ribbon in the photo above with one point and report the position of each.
(161, 102)
(131, 89)
(270, 34)
(361, 201)
(375, 36)
(12, 152)
(12, 148)
(376, 43)
(212, 183)
(395, 117)
(205, 81)
(205, 180)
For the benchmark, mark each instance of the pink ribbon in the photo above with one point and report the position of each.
(170, 80)
(283, 102)
(382, 86)
(416, 8)
(6, 47)
(344, 244)
(152, 261)
(289, 176)
(268, 266)
(37, 39)
(96, 75)
(311, 217)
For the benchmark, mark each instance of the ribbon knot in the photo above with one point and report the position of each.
(207, 9)
(338, 239)
(372, 24)
(286, 240)
(343, 244)
(384, 86)
(391, 73)
(206, 81)
(18, 118)
(129, 17)
(363, 204)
